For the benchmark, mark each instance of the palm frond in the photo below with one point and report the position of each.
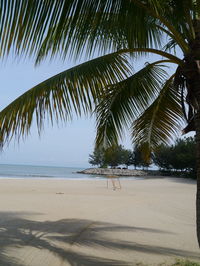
(106, 32)
(164, 13)
(145, 51)
(75, 89)
(125, 100)
(180, 15)
(74, 26)
(196, 4)
(160, 121)
(171, 45)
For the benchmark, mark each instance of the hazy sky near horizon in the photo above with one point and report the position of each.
(62, 145)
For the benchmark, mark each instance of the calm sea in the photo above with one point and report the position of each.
(42, 172)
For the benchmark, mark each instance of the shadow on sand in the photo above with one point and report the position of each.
(59, 238)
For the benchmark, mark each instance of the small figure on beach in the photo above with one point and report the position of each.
(115, 181)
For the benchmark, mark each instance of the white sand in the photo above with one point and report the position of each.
(58, 222)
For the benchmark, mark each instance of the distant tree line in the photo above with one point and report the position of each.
(178, 158)
(117, 155)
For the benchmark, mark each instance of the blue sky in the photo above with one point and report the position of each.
(63, 145)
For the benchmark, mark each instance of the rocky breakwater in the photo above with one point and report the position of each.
(117, 172)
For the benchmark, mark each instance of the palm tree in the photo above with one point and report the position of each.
(152, 102)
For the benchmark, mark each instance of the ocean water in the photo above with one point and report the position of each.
(42, 172)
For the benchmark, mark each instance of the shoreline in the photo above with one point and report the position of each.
(91, 177)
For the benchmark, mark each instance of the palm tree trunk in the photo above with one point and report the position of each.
(197, 127)
(196, 47)
(194, 91)
(191, 71)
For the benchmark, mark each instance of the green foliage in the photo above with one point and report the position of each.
(124, 101)
(116, 155)
(178, 262)
(185, 263)
(97, 158)
(138, 159)
(72, 91)
(163, 156)
(126, 156)
(155, 124)
(180, 156)
(184, 154)
(112, 156)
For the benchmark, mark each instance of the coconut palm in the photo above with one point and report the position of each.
(150, 102)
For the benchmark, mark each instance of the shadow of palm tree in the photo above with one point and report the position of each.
(58, 237)
(7, 261)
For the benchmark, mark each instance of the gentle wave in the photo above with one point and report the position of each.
(27, 175)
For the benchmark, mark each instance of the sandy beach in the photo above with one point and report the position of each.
(64, 222)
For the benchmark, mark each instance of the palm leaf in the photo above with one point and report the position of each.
(124, 101)
(74, 26)
(106, 32)
(75, 89)
(171, 45)
(160, 121)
